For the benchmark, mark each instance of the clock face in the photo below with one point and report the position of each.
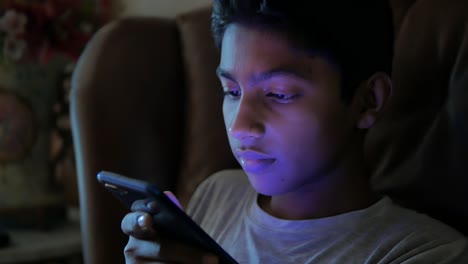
(17, 128)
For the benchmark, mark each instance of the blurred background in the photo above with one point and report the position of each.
(40, 43)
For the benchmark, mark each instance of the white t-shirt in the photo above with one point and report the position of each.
(225, 206)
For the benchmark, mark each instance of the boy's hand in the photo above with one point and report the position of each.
(144, 244)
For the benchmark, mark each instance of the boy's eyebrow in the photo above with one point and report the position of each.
(277, 72)
(226, 75)
(264, 76)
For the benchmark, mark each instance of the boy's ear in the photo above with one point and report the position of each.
(372, 94)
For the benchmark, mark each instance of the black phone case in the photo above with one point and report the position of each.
(170, 220)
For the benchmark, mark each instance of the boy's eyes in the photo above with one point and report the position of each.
(277, 97)
(232, 93)
(282, 98)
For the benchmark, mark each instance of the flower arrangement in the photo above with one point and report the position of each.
(36, 30)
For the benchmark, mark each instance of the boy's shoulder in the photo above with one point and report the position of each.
(404, 234)
(231, 178)
(402, 218)
(222, 187)
(386, 231)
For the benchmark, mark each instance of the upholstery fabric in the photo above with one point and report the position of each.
(421, 144)
(126, 117)
(399, 9)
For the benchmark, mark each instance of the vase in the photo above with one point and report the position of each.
(28, 195)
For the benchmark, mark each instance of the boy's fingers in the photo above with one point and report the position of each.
(148, 205)
(138, 249)
(173, 199)
(139, 225)
(165, 252)
(174, 251)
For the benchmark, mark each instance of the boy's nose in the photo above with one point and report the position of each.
(246, 123)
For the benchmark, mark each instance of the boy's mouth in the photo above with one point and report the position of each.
(253, 160)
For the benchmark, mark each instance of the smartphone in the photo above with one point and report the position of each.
(170, 220)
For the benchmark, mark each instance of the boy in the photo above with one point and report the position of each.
(303, 80)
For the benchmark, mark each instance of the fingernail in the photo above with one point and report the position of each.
(142, 222)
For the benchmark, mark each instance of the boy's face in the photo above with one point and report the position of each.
(286, 122)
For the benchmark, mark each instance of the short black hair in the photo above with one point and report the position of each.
(357, 36)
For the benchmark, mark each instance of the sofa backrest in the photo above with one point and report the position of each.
(419, 150)
(144, 103)
(127, 106)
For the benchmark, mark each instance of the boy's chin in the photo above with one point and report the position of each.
(265, 187)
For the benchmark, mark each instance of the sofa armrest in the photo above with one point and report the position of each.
(126, 113)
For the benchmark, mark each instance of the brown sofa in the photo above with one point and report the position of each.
(146, 103)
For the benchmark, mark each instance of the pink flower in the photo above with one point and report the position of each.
(38, 30)
(13, 48)
(13, 23)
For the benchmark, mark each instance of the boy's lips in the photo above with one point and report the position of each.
(253, 160)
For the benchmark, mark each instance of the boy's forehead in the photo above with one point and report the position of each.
(252, 34)
(267, 50)
(259, 39)
(259, 46)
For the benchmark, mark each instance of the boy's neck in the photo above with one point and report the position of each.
(344, 190)
(287, 207)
